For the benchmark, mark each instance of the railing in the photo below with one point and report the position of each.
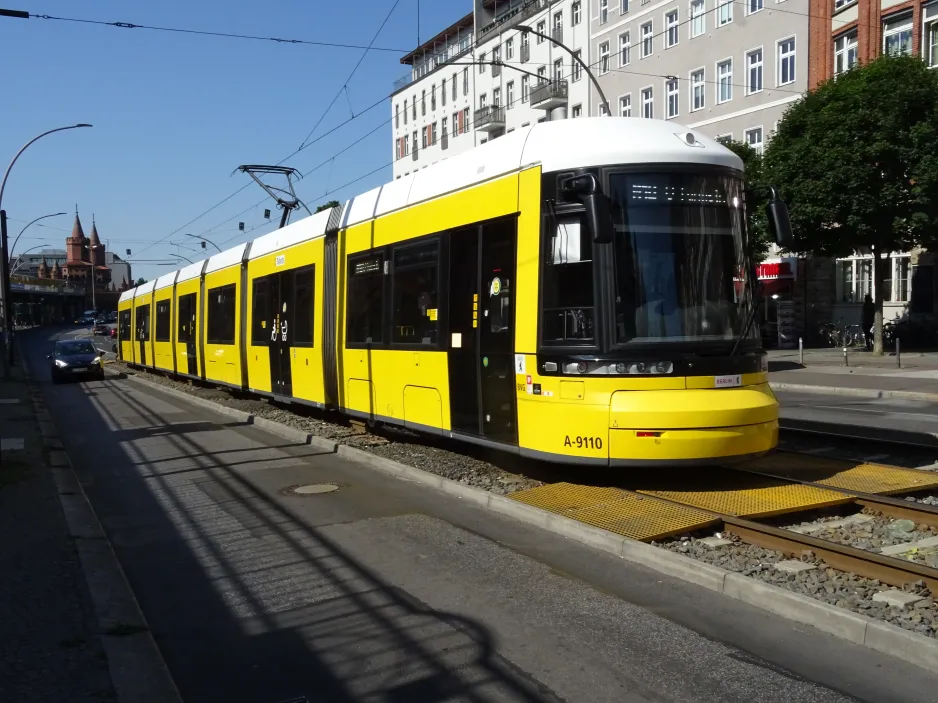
(488, 116)
(525, 53)
(444, 142)
(549, 90)
(513, 17)
(557, 34)
(403, 81)
(414, 152)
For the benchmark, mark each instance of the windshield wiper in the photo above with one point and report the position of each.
(756, 302)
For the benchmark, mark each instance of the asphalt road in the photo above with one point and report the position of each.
(907, 416)
(388, 591)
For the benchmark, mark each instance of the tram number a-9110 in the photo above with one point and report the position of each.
(583, 442)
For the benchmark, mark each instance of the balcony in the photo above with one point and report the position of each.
(489, 118)
(513, 16)
(525, 53)
(414, 152)
(548, 95)
(444, 142)
(557, 34)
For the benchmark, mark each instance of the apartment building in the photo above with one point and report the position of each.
(483, 77)
(729, 68)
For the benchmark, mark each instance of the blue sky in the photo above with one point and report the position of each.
(175, 114)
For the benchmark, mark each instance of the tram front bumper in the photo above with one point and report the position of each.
(695, 426)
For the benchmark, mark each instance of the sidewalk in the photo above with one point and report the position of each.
(49, 647)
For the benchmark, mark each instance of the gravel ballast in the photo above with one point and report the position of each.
(822, 583)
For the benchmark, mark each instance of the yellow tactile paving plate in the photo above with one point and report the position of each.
(627, 514)
(879, 479)
(753, 498)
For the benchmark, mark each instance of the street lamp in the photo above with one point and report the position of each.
(5, 259)
(15, 241)
(179, 256)
(94, 303)
(195, 236)
(19, 259)
(525, 29)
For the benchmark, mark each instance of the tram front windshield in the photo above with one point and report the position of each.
(678, 247)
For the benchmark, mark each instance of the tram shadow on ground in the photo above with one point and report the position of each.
(246, 600)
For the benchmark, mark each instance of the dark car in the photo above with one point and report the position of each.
(100, 329)
(75, 358)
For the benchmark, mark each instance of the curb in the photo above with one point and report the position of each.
(855, 392)
(136, 666)
(845, 624)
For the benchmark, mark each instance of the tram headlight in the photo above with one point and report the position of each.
(639, 368)
(621, 368)
(582, 367)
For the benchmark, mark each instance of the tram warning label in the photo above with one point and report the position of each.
(520, 364)
(727, 381)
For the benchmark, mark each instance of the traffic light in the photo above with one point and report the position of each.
(241, 226)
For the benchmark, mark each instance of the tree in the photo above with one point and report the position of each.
(757, 224)
(328, 206)
(140, 281)
(857, 161)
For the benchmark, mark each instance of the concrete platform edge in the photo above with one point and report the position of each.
(136, 666)
(844, 624)
(871, 393)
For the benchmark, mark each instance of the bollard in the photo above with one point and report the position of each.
(800, 351)
(898, 355)
(846, 361)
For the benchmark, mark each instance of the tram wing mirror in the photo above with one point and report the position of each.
(777, 212)
(585, 188)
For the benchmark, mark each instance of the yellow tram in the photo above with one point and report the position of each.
(565, 291)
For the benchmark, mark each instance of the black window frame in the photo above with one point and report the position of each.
(164, 319)
(146, 328)
(213, 334)
(395, 250)
(183, 334)
(298, 341)
(384, 254)
(124, 325)
(259, 332)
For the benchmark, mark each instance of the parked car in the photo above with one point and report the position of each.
(75, 358)
(84, 321)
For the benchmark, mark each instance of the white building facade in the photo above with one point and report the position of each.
(483, 77)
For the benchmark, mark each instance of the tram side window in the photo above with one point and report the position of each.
(567, 288)
(143, 323)
(416, 272)
(124, 326)
(221, 315)
(186, 321)
(304, 282)
(260, 304)
(365, 299)
(162, 321)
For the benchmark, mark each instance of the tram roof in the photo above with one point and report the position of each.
(556, 146)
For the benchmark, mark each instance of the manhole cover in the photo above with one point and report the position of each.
(310, 489)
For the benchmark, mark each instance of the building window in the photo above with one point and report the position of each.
(455, 123)
(524, 89)
(724, 12)
(647, 38)
(414, 318)
(838, 4)
(671, 27)
(444, 126)
(698, 18)
(558, 70)
(433, 97)
(510, 94)
(754, 138)
(625, 106)
(786, 61)
(576, 12)
(465, 120)
(648, 103)
(221, 315)
(454, 86)
(725, 81)
(162, 321)
(465, 81)
(424, 134)
(413, 109)
(541, 29)
(433, 133)
(753, 6)
(558, 23)
(603, 112)
(443, 92)
(397, 115)
(625, 49)
(604, 57)
(698, 90)
(623, 6)
(405, 110)
(483, 100)
(482, 62)
(897, 36)
(671, 91)
(930, 26)
(577, 111)
(754, 72)
(724, 138)
(423, 103)
(414, 141)
(577, 68)
(496, 97)
(902, 280)
(509, 49)
(845, 52)
(364, 323)
(603, 11)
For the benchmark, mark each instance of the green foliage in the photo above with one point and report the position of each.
(757, 196)
(857, 160)
(140, 281)
(328, 206)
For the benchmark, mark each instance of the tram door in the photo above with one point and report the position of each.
(143, 331)
(280, 319)
(481, 344)
(186, 313)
